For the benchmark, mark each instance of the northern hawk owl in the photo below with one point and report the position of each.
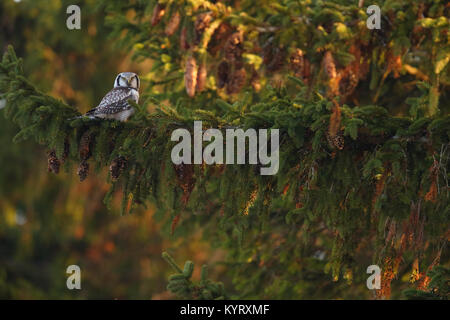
(114, 104)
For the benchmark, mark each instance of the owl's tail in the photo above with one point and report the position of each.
(89, 115)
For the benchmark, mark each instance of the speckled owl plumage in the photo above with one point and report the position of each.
(115, 104)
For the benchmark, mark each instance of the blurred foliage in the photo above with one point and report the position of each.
(365, 130)
(180, 283)
(438, 287)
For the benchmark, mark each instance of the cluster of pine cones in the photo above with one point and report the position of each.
(209, 36)
(226, 44)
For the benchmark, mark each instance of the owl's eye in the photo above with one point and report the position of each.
(122, 82)
(135, 82)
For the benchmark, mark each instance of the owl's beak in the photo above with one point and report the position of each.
(129, 81)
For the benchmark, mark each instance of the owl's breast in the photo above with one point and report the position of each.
(135, 95)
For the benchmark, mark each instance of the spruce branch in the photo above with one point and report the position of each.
(181, 284)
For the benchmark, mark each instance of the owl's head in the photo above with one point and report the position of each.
(127, 80)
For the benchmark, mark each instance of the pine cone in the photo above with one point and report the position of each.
(83, 170)
(330, 69)
(348, 83)
(329, 64)
(158, 13)
(185, 179)
(52, 162)
(233, 47)
(173, 24)
(223, 74)
(184, 44)
(237, 81)
(201, 77)
(201, 23)
(336, 141)
(190, 76)
(218, 38)
(84, 147)
(117, 166)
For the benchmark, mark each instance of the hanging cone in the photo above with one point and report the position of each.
(52, 162)
(173, 24)
(184, 44)
(117, 166)
(233, 46)
(158, 13)
(348, 81)
(237, 81)
(329, 64)
(335, 142)
(83, 170)
(190, 76)
(185, 179)
(84, 147)
(201, 77)
(201, 23)
(330, 69)
(223, 74)
(219, 38)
